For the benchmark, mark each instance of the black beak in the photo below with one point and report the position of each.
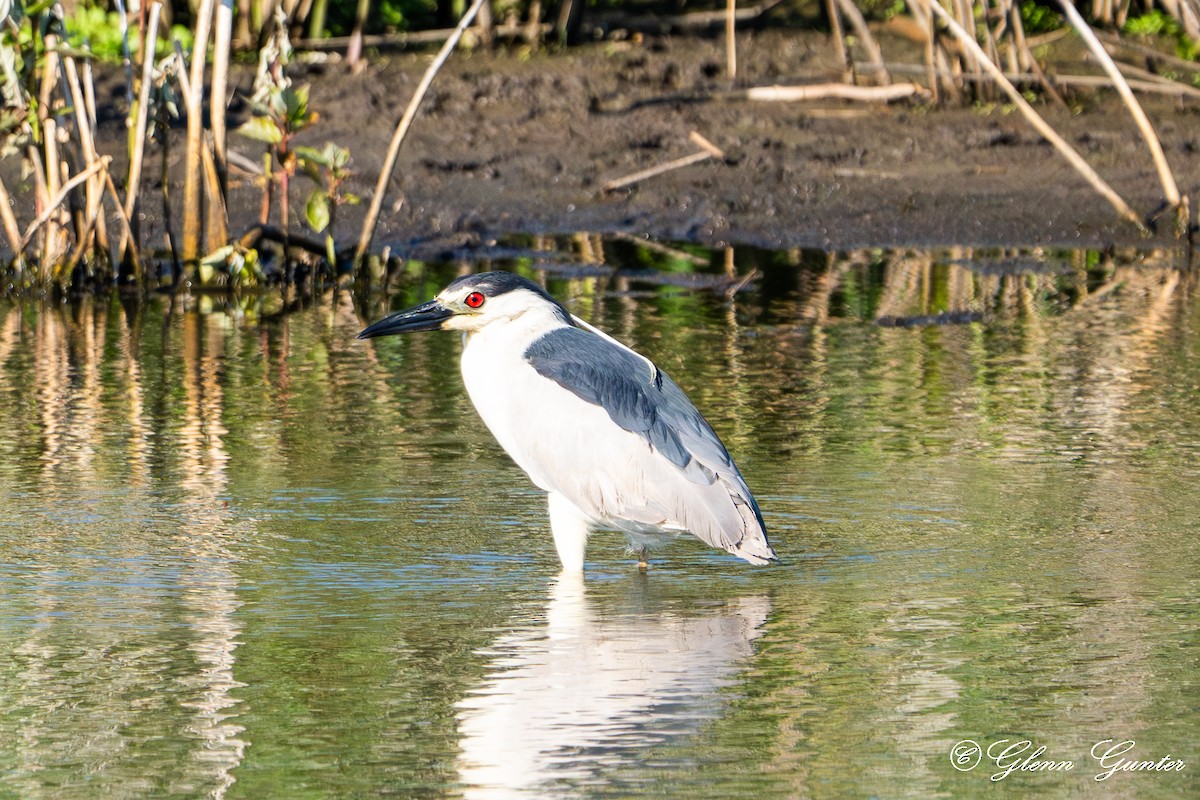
(425, 317)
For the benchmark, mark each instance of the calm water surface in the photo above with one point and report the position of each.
(244, 555)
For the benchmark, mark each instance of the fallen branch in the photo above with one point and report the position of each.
(260, 233)
(400, 40)
(659, 247)
(708, 150)
(410, 113)
(1148, 52)
(690, 21)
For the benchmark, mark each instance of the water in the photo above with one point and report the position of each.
(245, 555)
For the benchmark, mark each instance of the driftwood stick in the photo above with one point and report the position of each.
(1064, 148)
(841, 91)
(709, 151)
(410, 113)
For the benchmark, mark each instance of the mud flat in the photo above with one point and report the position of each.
(508, 144)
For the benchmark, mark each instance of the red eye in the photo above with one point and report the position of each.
(474, 300)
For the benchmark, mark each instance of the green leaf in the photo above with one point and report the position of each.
(338, 157)
(316, 211)
(296, 106)
(261, 129)
(311, 155)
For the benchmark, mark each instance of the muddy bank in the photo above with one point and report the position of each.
(511, 144)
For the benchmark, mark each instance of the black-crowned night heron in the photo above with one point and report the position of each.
(611, 438)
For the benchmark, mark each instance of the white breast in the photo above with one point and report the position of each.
(506, 390)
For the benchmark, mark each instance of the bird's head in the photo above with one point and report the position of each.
(470, 304)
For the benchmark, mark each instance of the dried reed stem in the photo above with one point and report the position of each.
(133, 184)
(52, 237)
(857, 21)
(94, 189)
(1042, 127)
(127, 232)
(730, 39)
(217, 229)
(11, 231)
(1170, 189)
(61, 195)
(193, 214)
(223, 32)
(389, 162)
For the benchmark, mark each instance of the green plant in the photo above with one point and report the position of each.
(1038, 18)
(280, 111)
(327, 168)
(1156, 23)
(101, 33)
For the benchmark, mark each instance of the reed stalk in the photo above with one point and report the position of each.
(1170, 188)
(193, 214)
(223, 33)
(859, 23)
(217, 231)
(1069, 153)
(730, 39)
(60, 195)
(133, 184)
(93, 188)
(9, 221)
(139, 274)
(410, 113)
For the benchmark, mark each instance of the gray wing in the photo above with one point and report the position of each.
(643, 400)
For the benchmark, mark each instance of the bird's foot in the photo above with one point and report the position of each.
(644, 559)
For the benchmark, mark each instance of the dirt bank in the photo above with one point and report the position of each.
(512, 144)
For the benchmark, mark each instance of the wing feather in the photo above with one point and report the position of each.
(644, 401)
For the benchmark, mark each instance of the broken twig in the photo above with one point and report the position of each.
(708, 150)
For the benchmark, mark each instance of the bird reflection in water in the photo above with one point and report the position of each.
(589, 692)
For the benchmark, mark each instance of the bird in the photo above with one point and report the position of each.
(612, 440)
